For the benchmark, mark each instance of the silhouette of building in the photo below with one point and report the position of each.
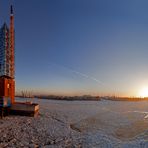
(7, 61)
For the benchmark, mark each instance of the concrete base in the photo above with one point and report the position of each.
(24, 109)
(4, 111)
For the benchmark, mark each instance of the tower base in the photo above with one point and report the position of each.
(7, 90)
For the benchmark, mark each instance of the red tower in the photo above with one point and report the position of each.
(12, 42)
(7, 62)
(12, 52)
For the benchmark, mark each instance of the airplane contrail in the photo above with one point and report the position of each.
(83, 75)
(87, 76)
(80, 74)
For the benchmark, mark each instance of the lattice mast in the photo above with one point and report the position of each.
(12, 43)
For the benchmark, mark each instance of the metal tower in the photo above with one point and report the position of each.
(7, 62)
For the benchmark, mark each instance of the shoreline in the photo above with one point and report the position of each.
(91, 98)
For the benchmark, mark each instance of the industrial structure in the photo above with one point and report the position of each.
(7, 63)
(7, 74)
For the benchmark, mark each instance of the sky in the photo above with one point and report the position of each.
(76, 47)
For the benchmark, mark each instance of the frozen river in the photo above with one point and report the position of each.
(85, 124)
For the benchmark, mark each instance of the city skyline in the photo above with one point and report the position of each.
(80, 47)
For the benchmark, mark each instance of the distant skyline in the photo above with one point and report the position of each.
(76, 47)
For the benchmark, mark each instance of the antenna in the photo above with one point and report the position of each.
(11, 10)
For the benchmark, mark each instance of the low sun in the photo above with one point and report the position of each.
(144, 92)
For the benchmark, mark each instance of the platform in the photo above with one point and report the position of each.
(26, 109)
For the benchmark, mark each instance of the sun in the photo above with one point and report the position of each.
(143, 92)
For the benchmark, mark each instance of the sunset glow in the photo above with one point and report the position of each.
(143, 92)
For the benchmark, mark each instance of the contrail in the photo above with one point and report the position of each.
(80, 74)
(86, 76)
(83, 75)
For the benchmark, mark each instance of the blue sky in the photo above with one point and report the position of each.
(78, 47)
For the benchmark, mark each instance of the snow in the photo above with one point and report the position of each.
(105, 124)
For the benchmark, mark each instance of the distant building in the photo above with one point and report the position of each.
(7, 62)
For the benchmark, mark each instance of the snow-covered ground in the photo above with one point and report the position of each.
(88, 124)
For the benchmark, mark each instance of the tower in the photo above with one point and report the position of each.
(7, 62)
(12, 71)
